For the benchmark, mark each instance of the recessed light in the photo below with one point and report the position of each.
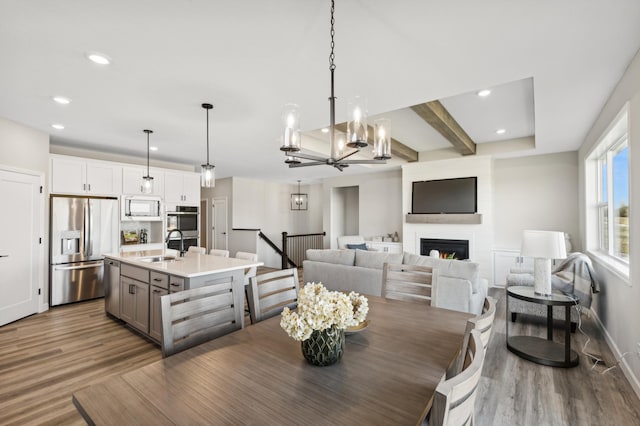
(61, 100)
(501, 131)
(483, 93)
(324, 130)
(99, 58)
(153, 148)
(57, 126)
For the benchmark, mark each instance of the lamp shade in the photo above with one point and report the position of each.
(543, 244)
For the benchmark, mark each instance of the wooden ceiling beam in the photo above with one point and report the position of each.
(398, 149)
(439, 118)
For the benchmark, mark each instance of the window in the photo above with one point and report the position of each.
(612, 158)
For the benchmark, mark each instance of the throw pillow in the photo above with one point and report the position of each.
(362, 246)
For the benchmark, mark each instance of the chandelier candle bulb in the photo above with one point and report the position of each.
(291, 128)
(357, 127)
(382, 139)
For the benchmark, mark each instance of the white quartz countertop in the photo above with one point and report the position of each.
(189, 266)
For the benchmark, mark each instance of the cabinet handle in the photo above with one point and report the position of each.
(175, 285)
(89, 185)
(156, 291)
(132, 289)
(157, 279)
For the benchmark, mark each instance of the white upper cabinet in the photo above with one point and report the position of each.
(78, 176)
(132, 181)
(182, 188)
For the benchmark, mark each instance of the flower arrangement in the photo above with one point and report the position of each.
(320, 309)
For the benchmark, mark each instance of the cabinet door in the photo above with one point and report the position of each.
(127, 299)
(191, 190)
(503, 262)
(176, 284)
(132, 181)
(68, 176)
(103, 179)
(155, 314)
(173, 184)
(141, 317)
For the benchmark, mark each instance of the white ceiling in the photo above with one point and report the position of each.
(251, 57)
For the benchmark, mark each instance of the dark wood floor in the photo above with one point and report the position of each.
(46, 357)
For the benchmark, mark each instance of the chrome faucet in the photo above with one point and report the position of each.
(181, 240)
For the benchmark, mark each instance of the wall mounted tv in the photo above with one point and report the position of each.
(445, 196)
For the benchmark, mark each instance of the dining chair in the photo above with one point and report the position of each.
(219, 252)
(197, 250)
(454, 399)
(411, 283)
(248, 273)
(197, 315)
(483, 323)
(269, 293)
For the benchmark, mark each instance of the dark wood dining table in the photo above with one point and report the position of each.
(387, 375)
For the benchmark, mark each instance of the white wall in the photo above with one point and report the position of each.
(480, 236)
(537, 192)
(379, 201)
(26, 149)
(616, 305)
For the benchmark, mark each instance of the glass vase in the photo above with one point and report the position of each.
(324, 347)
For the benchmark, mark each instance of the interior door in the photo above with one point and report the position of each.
(220, 223)
(21, 258)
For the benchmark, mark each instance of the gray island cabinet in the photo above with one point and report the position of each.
(146, 276)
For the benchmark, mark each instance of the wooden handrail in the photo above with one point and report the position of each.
(277, 250)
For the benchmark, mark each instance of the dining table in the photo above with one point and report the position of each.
(388, 374)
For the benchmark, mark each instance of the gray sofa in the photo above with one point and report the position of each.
(459, 287)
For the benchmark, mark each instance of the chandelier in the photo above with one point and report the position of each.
(341, 146)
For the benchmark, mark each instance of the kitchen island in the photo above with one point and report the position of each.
(135, 281)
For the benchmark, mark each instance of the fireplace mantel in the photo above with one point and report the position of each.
(466, 219)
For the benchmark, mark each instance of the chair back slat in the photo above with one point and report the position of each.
(197, 250)
(454, 400)
(219, 252)
(269, 293)
(197, 315)
(409, 282)
(248, 272)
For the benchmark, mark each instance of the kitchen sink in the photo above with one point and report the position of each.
(156, 259)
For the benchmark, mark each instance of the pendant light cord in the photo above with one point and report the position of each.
(332, 55)
(147, 154)
(207, 136)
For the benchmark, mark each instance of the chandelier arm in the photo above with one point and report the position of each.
(306, 156)
(313, 163)
(347, 155)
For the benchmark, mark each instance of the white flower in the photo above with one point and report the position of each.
(319, 309)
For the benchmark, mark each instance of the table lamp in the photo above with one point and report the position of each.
(543, 246)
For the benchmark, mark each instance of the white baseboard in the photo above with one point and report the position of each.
(43, 307)
(624, 366)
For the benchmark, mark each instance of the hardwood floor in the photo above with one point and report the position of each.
(514, 391)
(46, 357)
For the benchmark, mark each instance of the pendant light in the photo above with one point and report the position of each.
(299, 201)
(147, 181)
(207, 173)
(341, 146)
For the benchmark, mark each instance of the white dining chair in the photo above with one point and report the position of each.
(454, 400)
(197, 250)
(411, 283)
(219, 252)
(269, 293)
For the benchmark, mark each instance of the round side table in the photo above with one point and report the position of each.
(536, 349)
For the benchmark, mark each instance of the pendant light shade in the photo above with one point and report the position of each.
(382, 139)
(207, 171)
(147, 181)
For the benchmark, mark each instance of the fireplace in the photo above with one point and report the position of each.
(449, 249)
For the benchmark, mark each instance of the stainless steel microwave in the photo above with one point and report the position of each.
(142, 208)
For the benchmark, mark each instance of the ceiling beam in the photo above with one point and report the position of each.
(439, 118)
(398, 149)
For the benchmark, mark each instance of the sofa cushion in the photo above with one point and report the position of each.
(362, 246)
(376, 259)
(447, 267)
(340, 257)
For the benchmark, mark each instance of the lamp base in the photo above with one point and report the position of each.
(542, 276)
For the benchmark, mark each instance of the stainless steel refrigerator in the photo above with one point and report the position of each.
(82, 229)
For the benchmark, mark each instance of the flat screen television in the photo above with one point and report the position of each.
(445, 196)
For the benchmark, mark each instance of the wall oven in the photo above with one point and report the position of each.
(185, 219)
